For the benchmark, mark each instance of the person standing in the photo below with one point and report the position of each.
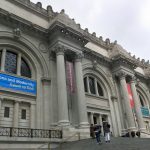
(107, 132)
(97, 133)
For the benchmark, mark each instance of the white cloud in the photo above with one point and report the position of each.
(127, 21)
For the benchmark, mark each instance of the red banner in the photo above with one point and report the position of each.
(70, 76)
(130, 95)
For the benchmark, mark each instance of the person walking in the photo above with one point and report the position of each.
(92, 134)
(97, 133)
(107, 132)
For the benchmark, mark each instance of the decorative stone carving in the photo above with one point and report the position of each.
(121, 74)
(59, 49)
(94, 64)
(17, 33)
(43, 47)
(79, 56)
(93, 34)
(39, 4)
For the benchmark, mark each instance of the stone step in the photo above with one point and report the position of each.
(115, 144)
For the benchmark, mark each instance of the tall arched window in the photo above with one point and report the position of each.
(14, 63)
(25, 70)
(92, 86)
(11, 62)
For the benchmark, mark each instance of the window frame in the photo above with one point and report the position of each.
(96, 83)
(6, 112)
(23, 114)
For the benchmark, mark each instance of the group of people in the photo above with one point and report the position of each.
(95, 131)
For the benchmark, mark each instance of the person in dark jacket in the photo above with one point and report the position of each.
(97, 131)
(107, 132)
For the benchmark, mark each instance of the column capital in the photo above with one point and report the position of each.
(121, 74)
(78, 56)
(133, 79)
(59, 49)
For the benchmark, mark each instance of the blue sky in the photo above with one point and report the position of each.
(127, 21)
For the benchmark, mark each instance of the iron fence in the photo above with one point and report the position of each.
(31, 133)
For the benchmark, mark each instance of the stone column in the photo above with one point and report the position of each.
(3, 60)
(19, 64)
(46, 102)
(137, 106)
(128, 110)
(91, 118)
(16, 114)
(32, 116)
(101, 123)
(62, 89)
(80, 92)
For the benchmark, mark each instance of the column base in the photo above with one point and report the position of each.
(84, 125)
(132, 129)
(63, 123)
(142, 129)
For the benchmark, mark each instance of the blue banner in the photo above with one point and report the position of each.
(17, 84)
(145, 111)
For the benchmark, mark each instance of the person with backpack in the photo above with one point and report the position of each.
(97, 131)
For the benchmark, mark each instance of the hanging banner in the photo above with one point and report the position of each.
(70, 76)
(130, 95)
(17, 84)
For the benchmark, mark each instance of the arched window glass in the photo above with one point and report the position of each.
(100, 90)
(92, 85)
(85, 84)
(11, 62)
(25, 70)
(141, 101)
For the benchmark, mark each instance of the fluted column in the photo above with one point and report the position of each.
(16, 114)
(80, 92)
(128, 111)
(32, 116)
(91, 118)
(62, 89)
(3, 60)
(137, 106)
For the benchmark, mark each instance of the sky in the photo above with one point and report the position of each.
(127, 21)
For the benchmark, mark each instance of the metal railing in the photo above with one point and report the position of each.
(30, 133)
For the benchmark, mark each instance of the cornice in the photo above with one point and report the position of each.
(17, 22)
(35, 8)
(122, 60)
(96, 57)
(67, 32)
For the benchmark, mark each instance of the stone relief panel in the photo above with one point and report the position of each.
(43, 47)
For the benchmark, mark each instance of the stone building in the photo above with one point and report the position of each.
(53, 73)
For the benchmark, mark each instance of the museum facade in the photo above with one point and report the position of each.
(53, 74)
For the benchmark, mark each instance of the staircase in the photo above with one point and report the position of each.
(120, 143)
